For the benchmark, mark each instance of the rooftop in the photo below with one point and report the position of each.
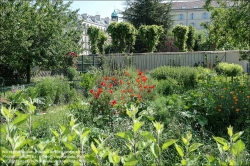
(196, 4)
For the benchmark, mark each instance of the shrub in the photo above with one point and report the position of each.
(230, 70)
(55, 91)
(185, 76)
(167, 87)
(72, 73)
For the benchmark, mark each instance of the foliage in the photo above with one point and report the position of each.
(230, 70)
(97, 39)
(180, 35)
(191, 37)
(231, 152)
(168, 46)
(55, 91)
(185, 76)
(150, 34)
(230, 24)
(168, 87)
(123, 35)
(153, 12)
(88, 81)
(29, 39)
(72, 73)
(201, 41)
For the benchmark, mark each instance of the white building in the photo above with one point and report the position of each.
(191, 12)
(97, 21)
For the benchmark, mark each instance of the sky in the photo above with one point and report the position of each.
(92, 7)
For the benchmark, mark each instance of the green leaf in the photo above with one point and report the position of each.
(230, 131)
(137, 125)
(71, 137)
(158, 126)
(131, 162)
(221, 140)
(91, 159)
(55, 133)
(179, 150)
(168, 143)
(148, 136)
(194, 146)
(154, 149)
(70, 146)
(183, 162)
(20, 119)
(237, 147)
(125, 135)
(210, 158)
(185, 141)
(85, 133)
(237, 135)
(72, 122)
(6, 113)
(93, 147)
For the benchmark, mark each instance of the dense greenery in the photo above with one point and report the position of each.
(97, 39)
(37, 33)
(130, 118)
(123, 36)
(180, 35)
(150, 12)
(150, 35)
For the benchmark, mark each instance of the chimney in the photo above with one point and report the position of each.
(97, 17)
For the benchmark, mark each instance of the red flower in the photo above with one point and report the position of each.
(106, 78)
(91, 91)
(145, 86)
(149, 90)
(139, 96)
(113, 102)
(103, 84)
(132, 95)
(128, 83)
(110, 91)
(124, 90)
(120, 81)
(130, 90)
(152, 86)
(110, 85)
(99, 90)
(112, 78)
(138, 80)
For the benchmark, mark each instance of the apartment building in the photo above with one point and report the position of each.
(191, 12)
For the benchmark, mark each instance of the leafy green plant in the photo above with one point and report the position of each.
(187, 156)
(167, 87)
(231, 152)
(230, 70)
(180, 35)
(72, 73)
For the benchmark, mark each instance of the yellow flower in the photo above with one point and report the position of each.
(220, 105)
(248, 97)
(232, 93)
(237, 110)
(222, 97)
(232, 107)
(225, 88)
(219, 110)
(235, 102)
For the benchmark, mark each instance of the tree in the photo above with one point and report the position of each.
(191, 37)
(233, 22)
(148, 12)
(123, 35)
(180, 35)
(37, 33)
(150, 34)
(97, 39)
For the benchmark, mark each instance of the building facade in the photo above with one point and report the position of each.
(87, 21)
(192, 12)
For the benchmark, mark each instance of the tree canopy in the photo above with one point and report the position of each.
(148, 12)
(230, 23)
(123, 35)
(97, 39)
(37, 33)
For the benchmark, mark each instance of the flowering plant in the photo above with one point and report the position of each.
(71, 59)
(113, 93)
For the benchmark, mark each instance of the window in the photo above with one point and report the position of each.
(181, 17)
(192, 16)
(183, 7)
(195, 7)
(204, 15)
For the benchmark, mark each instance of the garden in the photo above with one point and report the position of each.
(166, 116)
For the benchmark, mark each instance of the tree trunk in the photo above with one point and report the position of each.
(28, 73)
